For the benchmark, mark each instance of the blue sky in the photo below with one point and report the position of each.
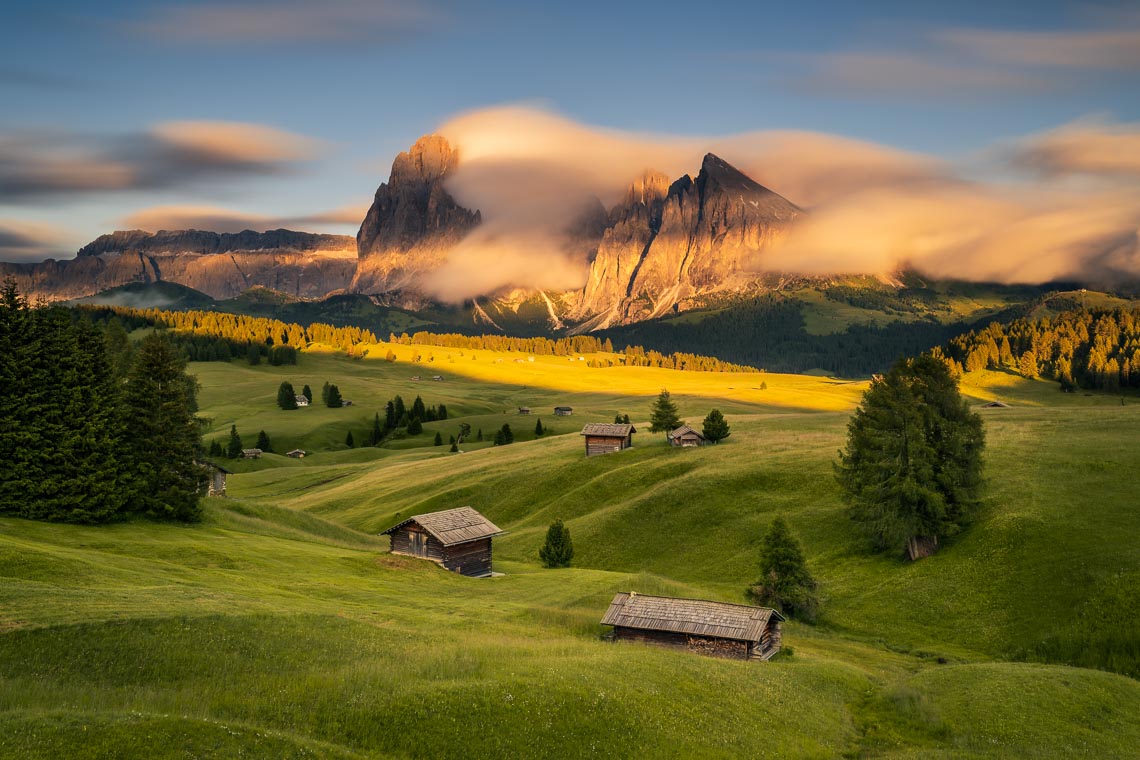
(357, 81)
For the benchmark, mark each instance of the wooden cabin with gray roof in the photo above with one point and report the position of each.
(738, 631)
(459, 539)
(607, 437)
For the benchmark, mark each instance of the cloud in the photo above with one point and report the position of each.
(1084, 148)
(171, 154)
(284, 23)
(217, 219)
(1103, 49)
(28, 242)
(871, 208)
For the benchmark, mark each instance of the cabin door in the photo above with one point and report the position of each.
(419, 544)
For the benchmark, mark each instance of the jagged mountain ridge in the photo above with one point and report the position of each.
(666, 243)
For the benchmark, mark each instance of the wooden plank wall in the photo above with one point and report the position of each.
(598, 445)
(470, 558)
(738, 650)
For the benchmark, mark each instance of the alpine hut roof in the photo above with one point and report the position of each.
(685, 429)
(608, 429)
(453, 526)
(698, 617)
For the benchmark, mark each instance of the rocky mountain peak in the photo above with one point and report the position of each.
(651, 186)
(431, 158)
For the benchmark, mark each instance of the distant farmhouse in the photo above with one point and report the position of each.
(251, 453)
(301, 400)
(715, 628)
(524, 410)
(563, 411)
(296, 453)
(607, 437)
(459, 539)
(686, 436)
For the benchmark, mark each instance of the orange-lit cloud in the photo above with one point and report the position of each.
(871, 208)
(168, 155)
(29, 242)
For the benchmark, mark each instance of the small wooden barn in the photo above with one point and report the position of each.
(524, 410)
(563, 411)
(607, 437)
(459, 539)
(216, 485)
(296, 453)
(686, 436)
(720, 629)
(251, 453)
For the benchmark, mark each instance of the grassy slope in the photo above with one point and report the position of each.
(276, 628)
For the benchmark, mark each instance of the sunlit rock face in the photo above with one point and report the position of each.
(222, 265)
(667, 243)
(413, 220)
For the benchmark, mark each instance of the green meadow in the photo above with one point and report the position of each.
(280, 626)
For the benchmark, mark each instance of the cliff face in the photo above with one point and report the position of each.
(413, 221)
(221, 265)
(664, 245)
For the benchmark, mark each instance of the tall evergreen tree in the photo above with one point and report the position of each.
(390, 417)
(376, 434)
(263, 442)
(234, 445)
(400, 411)
(438, 439)
(785, 582)
(558, 550)
(286, 396)
(348, 440)
(418, 409)
(912, 466)
(539, 429)
(307, 392)
(325, 393)
(415, 427)
(664, 416)
(715, 427)
(163, 431)
(441, 413)
(334, 399)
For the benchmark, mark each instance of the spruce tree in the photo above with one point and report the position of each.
(538, 429)
(508, 436)
(286, 396)
(418, 409)
(479, 437)
(912, 468)
(325, 393)
(163, 431)
(715, 427)
(334, 400)
(415, 427)
(263, 441)
(441, 413)
(234, 446)
(438, 439)
(558, 549)
(664, 416)
(389, 417)
(785, 582)
(454, 447)
(216, 449)
(348, 440)
(307, 392)
(400, 411)
(376, 434)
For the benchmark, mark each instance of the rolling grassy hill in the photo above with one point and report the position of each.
(280, 627)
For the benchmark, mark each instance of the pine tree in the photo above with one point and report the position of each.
(508, 436)
(912, 467)
(715, 427)
(325, 393)
(286, 396)
(400, 412)
(334, 400)
(376, 435)
(163, 432)
(307, 392)
(415, 427)
(454, 447)
(558, 549)
(418, 409)
(348, 441)
(785, 582)
(234, 447)
(263, 442)
(479, 437)
(216, 449)
(538, 429)
(664, 416)
(438, 439)
(441, 413)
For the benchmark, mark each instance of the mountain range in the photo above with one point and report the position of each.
(665, 245)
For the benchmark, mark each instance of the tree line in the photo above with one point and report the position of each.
(95, 429)
(1082, 348)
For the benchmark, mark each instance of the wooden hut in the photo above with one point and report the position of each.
(216, 484)
(563, 411)
(296, 453)
(716, 628)
(686, 436)
(301, 400)
(459, 539)
(524, 410)
(996, 405)
(251, 453)
(607, 437)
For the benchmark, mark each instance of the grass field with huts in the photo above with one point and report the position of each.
(280, 626)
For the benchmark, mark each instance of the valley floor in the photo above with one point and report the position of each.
(281, 627)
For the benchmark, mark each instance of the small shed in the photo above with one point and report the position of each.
(302, 400)
(686, 436)
(296, 453)
(720, 629)
(996, 405)
(251, 453)
(459, 539)
(607, 437)
(524, 410)
(563, 411)
(216, 485)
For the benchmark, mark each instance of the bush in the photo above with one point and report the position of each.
(558, 549)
